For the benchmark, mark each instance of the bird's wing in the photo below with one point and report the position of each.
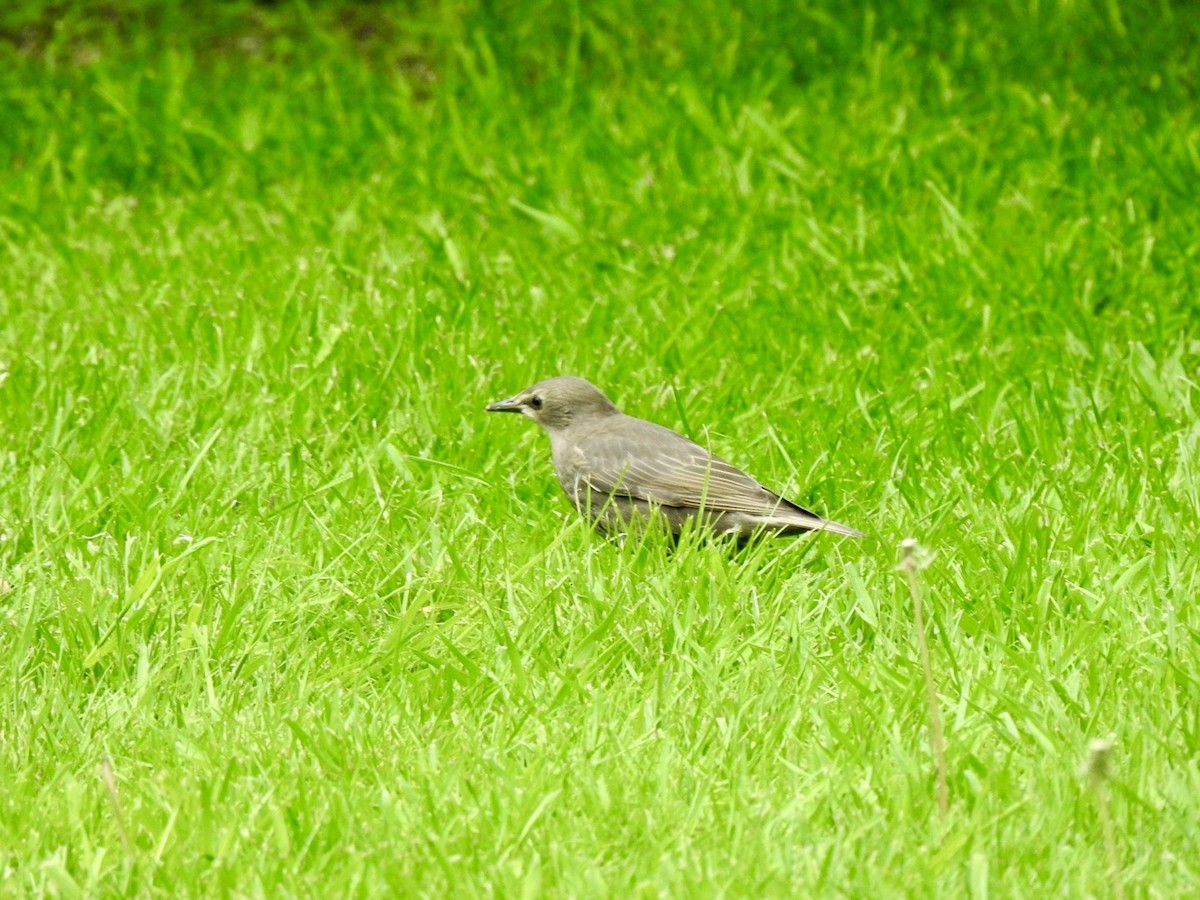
(647, 462)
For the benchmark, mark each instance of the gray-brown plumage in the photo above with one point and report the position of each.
(615, 466)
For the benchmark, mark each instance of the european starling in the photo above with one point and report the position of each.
(615, 467)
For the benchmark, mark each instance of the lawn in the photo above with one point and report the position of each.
(284, 612)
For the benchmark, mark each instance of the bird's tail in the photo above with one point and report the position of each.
(838, 528)
(800, 519)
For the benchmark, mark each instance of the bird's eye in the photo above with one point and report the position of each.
(536, 402)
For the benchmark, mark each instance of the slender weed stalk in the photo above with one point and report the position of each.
(908, 548)
(1097, 771)
(110, 781)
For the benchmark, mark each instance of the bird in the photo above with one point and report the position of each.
(618, 469)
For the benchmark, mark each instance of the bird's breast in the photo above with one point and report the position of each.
(570, 462)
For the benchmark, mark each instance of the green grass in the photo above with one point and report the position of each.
(929, 269)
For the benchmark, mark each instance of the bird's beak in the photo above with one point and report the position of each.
(512, 404)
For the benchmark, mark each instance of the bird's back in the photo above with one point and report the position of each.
(628, 461)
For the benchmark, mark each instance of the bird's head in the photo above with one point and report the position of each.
(558, 402)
